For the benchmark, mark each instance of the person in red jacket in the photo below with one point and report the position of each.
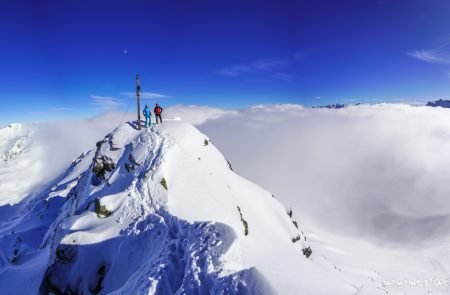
(158, 110)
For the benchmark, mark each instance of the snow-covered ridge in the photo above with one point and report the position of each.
(15, 150)
(158, 211)
(17, 162)
(12, 141)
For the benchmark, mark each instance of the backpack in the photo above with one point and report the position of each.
(158, 110)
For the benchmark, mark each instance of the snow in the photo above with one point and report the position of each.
(105, 224)
(374, 176)
(215, 192)
(112, 229)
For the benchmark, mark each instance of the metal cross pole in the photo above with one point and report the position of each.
(138, 89)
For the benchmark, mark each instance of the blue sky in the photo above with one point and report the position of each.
(78, 58)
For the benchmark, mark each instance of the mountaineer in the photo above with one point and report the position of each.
(158, 110)
(148, 116)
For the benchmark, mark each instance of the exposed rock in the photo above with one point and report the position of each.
(65, 254)
(101, 210)
(289, 212)
(102, 164)
(229, 165)
(164, 183)
(101, 275)
(307, 252)
(244, 222)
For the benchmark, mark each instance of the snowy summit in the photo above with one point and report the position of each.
(157, 211)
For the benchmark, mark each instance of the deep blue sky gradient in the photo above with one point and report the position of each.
(55, 55)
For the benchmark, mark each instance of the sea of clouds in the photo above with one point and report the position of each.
(380, 172)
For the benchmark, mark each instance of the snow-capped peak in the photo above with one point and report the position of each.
(158, 211)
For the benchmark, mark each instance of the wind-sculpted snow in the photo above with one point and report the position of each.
(161, 254)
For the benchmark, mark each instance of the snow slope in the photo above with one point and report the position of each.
(109, 225)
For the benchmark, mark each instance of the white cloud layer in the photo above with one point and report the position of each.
(196, 114)
(378, 171)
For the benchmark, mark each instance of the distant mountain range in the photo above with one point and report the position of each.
(331, 106)
(435, 103)
(439, 103)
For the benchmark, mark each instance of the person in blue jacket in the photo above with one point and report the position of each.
(148, 116)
